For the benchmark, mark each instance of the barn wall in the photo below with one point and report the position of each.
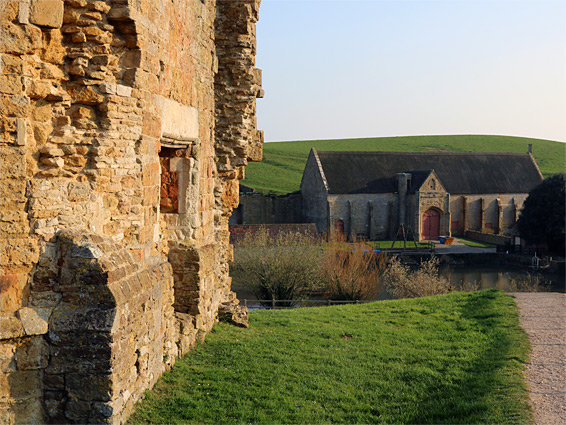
(489, 213)
(314, 194)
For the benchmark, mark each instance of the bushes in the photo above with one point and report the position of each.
(353, 274)
(402, 282)
(292, 266)
(284, 266)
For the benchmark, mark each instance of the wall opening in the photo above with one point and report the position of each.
(431, 224)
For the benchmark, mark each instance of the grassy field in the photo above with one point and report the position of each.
(475, 244)
(450, 359)
(283, 163)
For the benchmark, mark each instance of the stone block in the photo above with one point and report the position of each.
(83, 319)
(178, 122)
(28, 411)
(77, 410)
(89, 387)
(23, 11)
(7, 353)
(47, 13)
(10, 327)
(32, 355)
(34, 320)
(25, 384)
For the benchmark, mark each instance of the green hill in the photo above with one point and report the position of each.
(283, 162)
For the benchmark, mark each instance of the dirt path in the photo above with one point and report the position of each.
(543, 317)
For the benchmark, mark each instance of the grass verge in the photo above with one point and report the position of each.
(398, 244)
(475, 244)
(456, 358)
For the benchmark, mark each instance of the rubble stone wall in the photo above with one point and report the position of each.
(257, 208)
(124, 128)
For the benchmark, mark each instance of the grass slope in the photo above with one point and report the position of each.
(448, 359)
(283, 162)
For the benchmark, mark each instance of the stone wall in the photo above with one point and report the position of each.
(490, 213)
(124, 128)
(314, 190)
(257, 208)
(367, 216)
(489, 238)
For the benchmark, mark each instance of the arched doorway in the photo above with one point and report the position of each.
(339, 230)
(431, 224)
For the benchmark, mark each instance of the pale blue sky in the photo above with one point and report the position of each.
(371, 68)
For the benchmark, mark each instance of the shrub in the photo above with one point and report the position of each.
(542, 217)
(284, 266)
(402, 282)
(530, 283)
(353, 274)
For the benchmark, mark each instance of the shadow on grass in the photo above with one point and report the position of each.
(491, 389)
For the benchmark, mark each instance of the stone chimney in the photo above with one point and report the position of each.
(402, 187)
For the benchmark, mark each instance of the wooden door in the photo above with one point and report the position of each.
(431, 224)
(339, 230)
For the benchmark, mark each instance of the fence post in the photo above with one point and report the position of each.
(273, 303)
(245, 303)
(328, 303)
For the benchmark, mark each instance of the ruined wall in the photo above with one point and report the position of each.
(120, 147)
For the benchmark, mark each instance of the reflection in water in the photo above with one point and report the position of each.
(504, 278)
(467, 278)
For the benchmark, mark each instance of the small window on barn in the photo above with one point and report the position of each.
(432, 184)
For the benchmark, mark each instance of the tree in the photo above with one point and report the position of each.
(542, 219)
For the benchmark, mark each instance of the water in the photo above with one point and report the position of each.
(506, 278)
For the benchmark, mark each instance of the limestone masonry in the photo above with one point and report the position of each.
(125, 126)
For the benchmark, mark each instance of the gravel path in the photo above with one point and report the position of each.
(543, 317)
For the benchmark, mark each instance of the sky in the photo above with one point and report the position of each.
(375, 68)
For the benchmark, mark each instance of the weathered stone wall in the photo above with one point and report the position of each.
(368, 216)
(314, 191)
(489, 238)
(124, 126)
(257, 208)
(495, 214)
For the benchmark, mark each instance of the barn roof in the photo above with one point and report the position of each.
(459, 172)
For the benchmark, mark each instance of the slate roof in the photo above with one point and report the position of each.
(459, 172)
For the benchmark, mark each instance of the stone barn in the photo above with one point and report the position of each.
(125, 126)
(369, 195)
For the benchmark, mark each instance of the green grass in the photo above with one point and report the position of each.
(475, 244)
(283, 162)
(453, 359)
(398, 244)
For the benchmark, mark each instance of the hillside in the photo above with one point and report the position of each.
(282, 167)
